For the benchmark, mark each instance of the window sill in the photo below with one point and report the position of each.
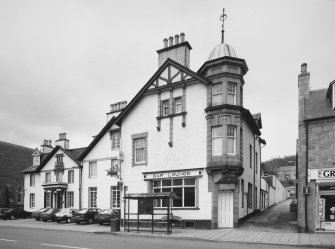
(140, 164)
(171, 115)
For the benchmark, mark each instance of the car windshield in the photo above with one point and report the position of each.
(49, 211)
(82, 211)
(62, 211)
(106, 211)
(43, 210)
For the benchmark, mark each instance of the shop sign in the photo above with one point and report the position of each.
(172, 174)
(326, 173)
(321, 174)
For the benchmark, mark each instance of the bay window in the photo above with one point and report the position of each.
(217, 94)
(217, 139)
(231, 139)
(231, 96)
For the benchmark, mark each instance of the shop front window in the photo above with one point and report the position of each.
(184, 189)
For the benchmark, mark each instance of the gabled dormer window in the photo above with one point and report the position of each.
(36, 160)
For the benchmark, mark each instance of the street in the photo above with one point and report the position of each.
(32, 238)
(277, 218)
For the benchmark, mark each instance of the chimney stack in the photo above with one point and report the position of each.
(62, 141)
(179, 51)
(46, 146)
(115, 109)
(303, 85)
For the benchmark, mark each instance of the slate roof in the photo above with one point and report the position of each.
(318, 105)
(13, 158)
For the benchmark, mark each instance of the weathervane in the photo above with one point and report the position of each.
(223, 17)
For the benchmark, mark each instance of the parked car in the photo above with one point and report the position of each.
(85, 215)
(106, 215)
(64, 214)
(13, 213)
(37, 214)
(49, 215)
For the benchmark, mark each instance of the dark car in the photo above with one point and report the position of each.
(13, 213)
(49, 215)
(37, 214)
(85, 215)
(106, 215)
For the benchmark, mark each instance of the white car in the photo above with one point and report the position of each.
(65, 214)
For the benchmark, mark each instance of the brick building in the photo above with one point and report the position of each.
(316, 156)
(13, 159)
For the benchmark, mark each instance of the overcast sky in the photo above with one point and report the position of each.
(63, 62)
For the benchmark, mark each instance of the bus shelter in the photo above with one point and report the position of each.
(146, 218)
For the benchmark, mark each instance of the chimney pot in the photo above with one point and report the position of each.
(165, 42)
(182, 37)
(170, 41)
(304, 68)
(176, 39)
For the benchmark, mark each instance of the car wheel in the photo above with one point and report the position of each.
(100, 223)
(68, 220)
(90, 221)
(37, 219)
(58, 221)
(77, 222)
(44, 220)
(12, 217)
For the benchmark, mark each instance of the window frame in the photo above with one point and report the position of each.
(231, 93)
(116, 140)
(217, 93)
(70, 199)
(135, 138)
(32, 180)
(92, 190)
(48, 199)
(165, 107)
(92, 165)
(230, 137)
(70, 178)
(250, 190)
(170, 187)
(32, 200)
(59, 176)
(115, 198)
(178, 106)
(47, 177)
(217, 138)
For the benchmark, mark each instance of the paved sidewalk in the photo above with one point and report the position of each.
(219, 235)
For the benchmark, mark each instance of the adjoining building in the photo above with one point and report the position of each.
(13, 159)
(54, 178)
(316, 156)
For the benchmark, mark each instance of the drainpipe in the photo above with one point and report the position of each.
(255, 193)
(80, 182)
(306, 177)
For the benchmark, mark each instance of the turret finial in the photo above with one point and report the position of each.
(223, 17)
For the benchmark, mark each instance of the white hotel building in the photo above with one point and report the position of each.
(186, 132)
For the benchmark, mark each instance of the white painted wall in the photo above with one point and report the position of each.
(189, 144)
(102, 154)
(38, 189)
